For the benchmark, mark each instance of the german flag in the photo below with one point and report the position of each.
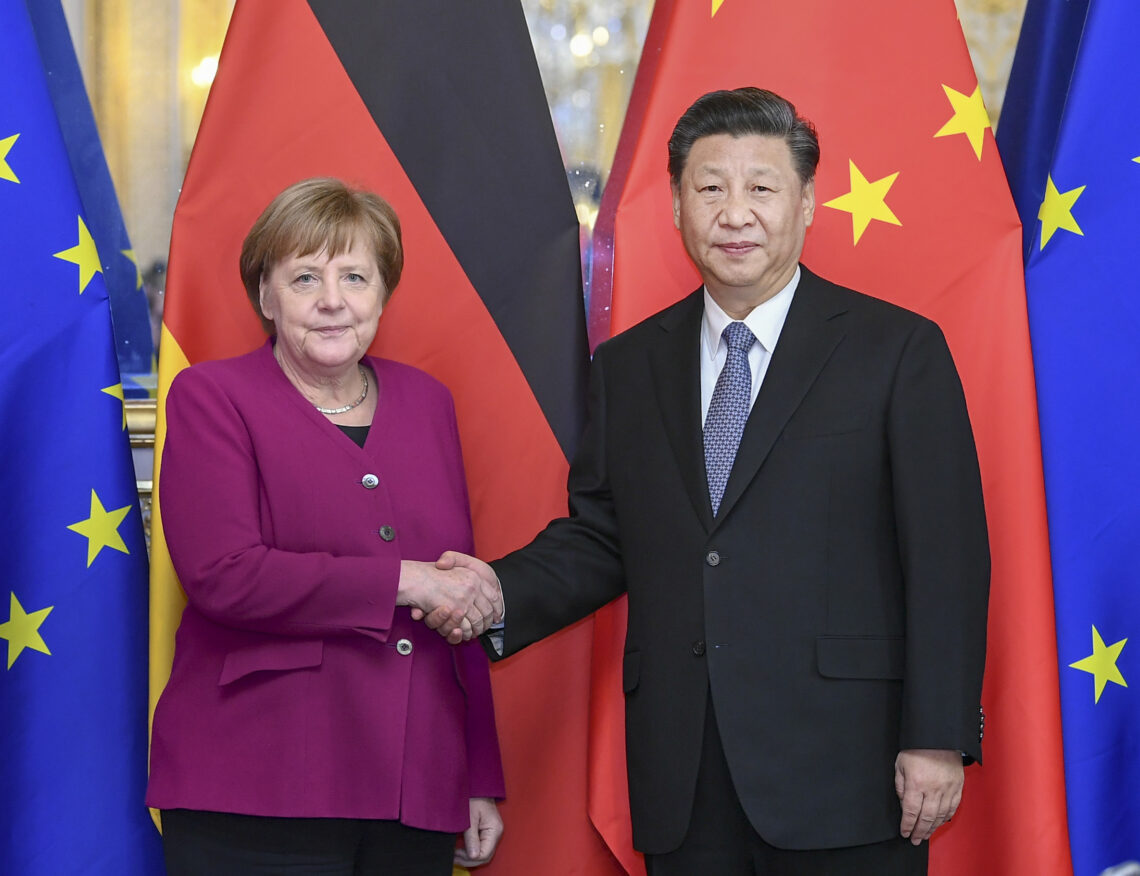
(438, 106)
(913, 207)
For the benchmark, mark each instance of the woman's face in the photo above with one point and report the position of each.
(325, 309)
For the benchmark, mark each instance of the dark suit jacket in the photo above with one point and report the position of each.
(299, 688)
(836, 607)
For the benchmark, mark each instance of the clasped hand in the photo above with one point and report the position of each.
(458, 595)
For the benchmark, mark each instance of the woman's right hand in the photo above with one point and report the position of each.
(461, 602)
(482, 838)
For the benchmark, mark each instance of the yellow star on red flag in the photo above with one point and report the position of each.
(716, 4)
(970, 117)
(866, 201)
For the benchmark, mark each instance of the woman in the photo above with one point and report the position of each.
(309, 724)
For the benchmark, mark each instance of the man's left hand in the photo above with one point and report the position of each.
(929, 784)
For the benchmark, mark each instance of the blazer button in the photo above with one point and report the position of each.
(387, 532)
(699, 649)
(370, 481)
(404, 647)
(712, 558)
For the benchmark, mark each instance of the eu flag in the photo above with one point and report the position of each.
(72, 558)
(1083, 287)
(122, 275)
(1035, 99)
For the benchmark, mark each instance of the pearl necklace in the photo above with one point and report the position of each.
(348, 407)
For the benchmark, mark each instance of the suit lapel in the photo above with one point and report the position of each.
(813, 329)
(676, 367)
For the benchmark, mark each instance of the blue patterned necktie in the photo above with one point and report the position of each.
(728, 410)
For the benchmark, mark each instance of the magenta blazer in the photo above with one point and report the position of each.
(298, 687)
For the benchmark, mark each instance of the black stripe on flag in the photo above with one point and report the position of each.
(455, 90)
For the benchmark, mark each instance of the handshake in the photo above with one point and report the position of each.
(458, 595)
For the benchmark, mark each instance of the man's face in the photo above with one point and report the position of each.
(742, 213)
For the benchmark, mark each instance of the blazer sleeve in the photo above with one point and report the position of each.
(209, 495)
(943, 545)
(574, 566)
(484, 763)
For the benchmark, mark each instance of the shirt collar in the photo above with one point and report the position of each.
(765, 321)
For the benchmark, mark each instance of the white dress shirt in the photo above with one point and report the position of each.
(766, 321)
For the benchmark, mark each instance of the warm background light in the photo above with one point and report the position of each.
(581, 44)
(203, 74)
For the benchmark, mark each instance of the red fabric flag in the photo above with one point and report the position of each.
(913, 207)
(439, 108)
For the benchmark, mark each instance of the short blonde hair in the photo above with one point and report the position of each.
(320, 214)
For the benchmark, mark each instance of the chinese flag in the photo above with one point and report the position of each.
(913, 207)
(439, 107)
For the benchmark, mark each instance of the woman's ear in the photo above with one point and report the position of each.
(265, 298)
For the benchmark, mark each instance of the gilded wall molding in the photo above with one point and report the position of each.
(141, 416)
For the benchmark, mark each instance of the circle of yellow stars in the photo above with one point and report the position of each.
(101, 527)
(84, 254)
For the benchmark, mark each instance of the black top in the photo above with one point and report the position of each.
(357, 433)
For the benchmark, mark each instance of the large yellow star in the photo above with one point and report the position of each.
(84, 255)
(5, 147)
(22, 630)
(1056, 211)
(866, 201)
(716, 4)
(1101, 663)
(970, 117)
(130, 254)
(116, 391)
(101, 529)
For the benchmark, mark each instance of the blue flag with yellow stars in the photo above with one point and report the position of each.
(1035, 99)
(122, 275)
(73, 582)
(1083, 287)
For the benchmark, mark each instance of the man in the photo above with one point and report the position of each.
(781, 474)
